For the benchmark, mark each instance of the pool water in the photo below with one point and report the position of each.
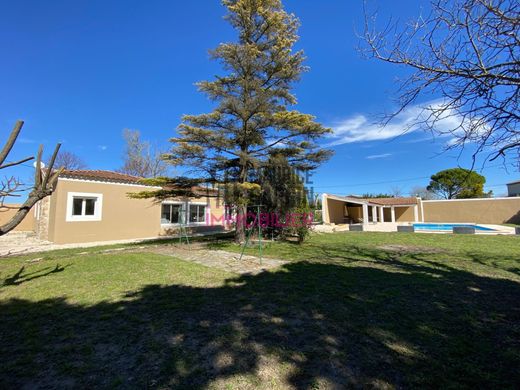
(447, 227)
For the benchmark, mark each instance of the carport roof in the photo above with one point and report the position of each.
(405, 201)
(393, 201)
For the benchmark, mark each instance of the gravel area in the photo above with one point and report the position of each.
(228, 261)
(22, 242)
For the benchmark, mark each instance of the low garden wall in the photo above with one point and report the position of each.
(8, 211)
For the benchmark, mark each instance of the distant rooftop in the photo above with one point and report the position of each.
(514, 182)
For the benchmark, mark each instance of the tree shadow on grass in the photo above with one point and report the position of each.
(20, 277)
(305, 325)
(500, 263)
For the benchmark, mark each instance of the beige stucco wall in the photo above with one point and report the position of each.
(7, 212)
(495, 211)
(122, 217)
(335, 211)
(355, 212)
(405, 214)
(387, 214)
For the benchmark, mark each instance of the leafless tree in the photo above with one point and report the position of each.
(423, 193)
(140, 158)
(44, 180)
(396, 191)
(69, 161)
(468, 52)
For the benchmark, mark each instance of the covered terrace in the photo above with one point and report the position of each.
(356, 210)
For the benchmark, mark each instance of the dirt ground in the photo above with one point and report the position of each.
(228, 261)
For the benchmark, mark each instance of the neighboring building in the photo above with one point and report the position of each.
(513, 189)
(351, 209)
(93, 205)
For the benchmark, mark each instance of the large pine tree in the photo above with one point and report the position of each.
(251, 120)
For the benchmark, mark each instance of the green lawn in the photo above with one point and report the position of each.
(383, 310)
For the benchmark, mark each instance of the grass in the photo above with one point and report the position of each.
(381, 310)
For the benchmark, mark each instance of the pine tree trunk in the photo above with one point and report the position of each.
(240, 234)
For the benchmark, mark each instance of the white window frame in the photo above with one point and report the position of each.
(206, 207)
(98, 207)
(187, 206)
(182, 204)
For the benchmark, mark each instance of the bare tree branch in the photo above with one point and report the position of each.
(10, 141)
(12, 164)
(68, 161)
(140, 158)
(45, 181)
(467, 52)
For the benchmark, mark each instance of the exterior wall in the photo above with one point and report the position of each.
(335, 212)
(42, 218)
(404, 214)
(513, 189)
(355, 212)
(10, 210)
(121, 217)
(492, 210)
(387, 213)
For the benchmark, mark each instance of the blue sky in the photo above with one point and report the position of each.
(79, 72)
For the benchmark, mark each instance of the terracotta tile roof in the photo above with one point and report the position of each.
(100, 175)
(393, 201)
(116, 177)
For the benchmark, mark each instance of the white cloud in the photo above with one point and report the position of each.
(102, 147)
(361, 128)
(26, 140)
(376, 156)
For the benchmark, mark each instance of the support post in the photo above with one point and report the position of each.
(325, 209)
(416, 213)
(381, 214)
(365, 214)
(392, 213)
(374, 213)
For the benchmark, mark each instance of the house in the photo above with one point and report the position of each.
(513, 188)
(352, 209)
(93, 205)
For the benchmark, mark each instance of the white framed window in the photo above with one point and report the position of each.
(197, 213)
(84, 206)
(173, 213)
(178, 213)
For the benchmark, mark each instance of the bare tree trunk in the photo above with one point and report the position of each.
(44, 180)
(24, 209)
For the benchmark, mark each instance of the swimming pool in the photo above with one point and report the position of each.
(448, 227)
